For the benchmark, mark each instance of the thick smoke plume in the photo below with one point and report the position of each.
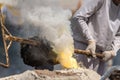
(43, 18)
(52, 24)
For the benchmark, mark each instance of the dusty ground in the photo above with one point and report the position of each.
(71, 74)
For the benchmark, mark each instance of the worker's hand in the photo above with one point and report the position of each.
(92, 47)
(108, 55)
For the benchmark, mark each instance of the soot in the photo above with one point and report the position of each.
(40, 56)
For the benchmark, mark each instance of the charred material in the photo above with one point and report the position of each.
(39, 56)
(115, 75)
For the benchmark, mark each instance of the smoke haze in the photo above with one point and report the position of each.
(50, 23)
(43, 18)
(47, 20)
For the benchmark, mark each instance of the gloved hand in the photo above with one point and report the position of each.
(108, 55)
(92, 47)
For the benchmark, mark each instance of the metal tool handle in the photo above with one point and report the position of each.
(85, 52)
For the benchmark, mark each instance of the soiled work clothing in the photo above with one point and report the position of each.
(97, 20)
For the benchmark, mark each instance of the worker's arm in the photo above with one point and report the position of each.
(88, 8)
(115, 47)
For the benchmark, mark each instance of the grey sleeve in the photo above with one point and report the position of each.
(116, 42)
(88, 8)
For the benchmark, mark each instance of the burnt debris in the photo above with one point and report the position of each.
(40, 56)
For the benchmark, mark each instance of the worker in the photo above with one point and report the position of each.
(96, 27)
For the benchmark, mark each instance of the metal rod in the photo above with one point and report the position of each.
(35, 43)
(21, 40)
(85, 52)
(4, 42)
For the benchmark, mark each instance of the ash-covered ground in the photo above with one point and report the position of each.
(71, 74)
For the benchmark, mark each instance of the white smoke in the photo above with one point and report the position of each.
(46, 19)
(50, 22)
(9, 2)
